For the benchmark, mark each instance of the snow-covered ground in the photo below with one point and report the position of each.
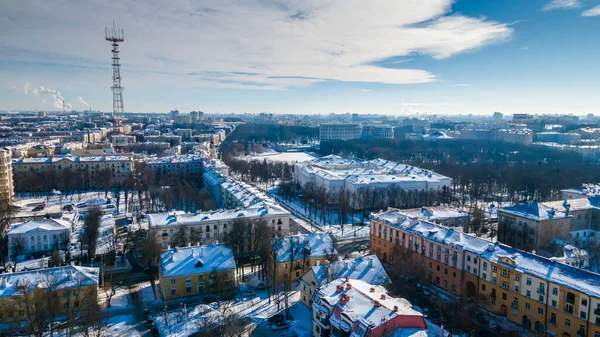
(57, 201)
(289, 157)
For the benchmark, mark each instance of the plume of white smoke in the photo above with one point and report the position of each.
(58, 101)
(82, 101)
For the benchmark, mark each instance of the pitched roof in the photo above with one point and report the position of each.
(534, 210)
(319, 245)
(41, 224)
(196, 260)
(364, 268)
(59, 277)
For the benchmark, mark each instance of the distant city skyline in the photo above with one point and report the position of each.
(305, 57)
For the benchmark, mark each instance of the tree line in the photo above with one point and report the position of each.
(481, 170)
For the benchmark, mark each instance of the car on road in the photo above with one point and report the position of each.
(426, 291)
(67, 208)
(492, 325)
(82, 205)
(39, 207)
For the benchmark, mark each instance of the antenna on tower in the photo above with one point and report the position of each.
(115, 36)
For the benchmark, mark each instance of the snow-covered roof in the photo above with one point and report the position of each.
(319, 245)
(574, 204)
(178, 159)
(73, 159)
(368, 304)
(547, 269)
(59, 278)
(181, 218)
(533, 210)
(196, 260)
(41, 224)
(433, 213)
(364, 268)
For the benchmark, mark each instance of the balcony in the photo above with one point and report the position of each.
(325, 323)
(569, 308)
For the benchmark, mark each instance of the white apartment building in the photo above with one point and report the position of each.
(341, 131)
(119, 165)
(187, 163)
(39, 236)
(211, 227)
(355, 176)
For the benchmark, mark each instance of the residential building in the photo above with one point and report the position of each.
(119, 165)
(339, 131)
(212, 181)
(376, 131)
(441, 215)
(40, 150)
(531, 225)
(73, 287)
(585, 191)
(294, 254)
(184, 164)
(364, 268)
(38, 236)
(558, 137)
(212, 226)
(7, 190)
(535, 292)
(196, 271)
(349, 307)
(361, 179)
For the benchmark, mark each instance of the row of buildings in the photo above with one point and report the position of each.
(535, 292)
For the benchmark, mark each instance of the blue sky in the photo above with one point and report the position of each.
(305, 56)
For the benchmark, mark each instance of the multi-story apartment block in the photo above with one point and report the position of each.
(349, 307)
(212, 181)
(364, 268)
(38, 236)
(294, 254)
(532, 225)
(120, 166)
(341, 131)
(196, 271)
(361, 178)
(535, 292)
(7, 190)
(71, 288)
(190, 164)
(212, 226)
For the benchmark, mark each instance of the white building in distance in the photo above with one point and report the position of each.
(38, 236)
(334, 174)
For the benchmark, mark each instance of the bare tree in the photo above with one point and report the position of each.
(18, 247)
(91, 230)
(151, 248)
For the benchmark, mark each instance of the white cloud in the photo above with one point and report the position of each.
(594, 11)
(58, 101)
(255, 44)
(562, 4)
(82, 101)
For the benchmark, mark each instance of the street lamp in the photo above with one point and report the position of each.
(185, 316)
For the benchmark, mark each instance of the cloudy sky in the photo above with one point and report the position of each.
(305, 56)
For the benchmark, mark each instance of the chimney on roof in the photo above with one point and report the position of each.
(348, 286)
(376, 304)
(567, 207)
(395, 308)
(339, 288)
(383, 296)
(372, 290)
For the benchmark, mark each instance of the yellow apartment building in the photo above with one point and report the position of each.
(295, 254)
(196, 271)
(71, 288)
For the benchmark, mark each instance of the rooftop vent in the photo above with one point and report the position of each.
(372, 290)
(383, 296)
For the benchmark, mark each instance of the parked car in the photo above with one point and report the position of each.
(492, 325)
(82, 205)
(68, 208)
(39, 207)
(426, 291)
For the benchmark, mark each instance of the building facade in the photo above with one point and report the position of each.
(38, 236)
(341, 131)
(294, 254)
(535, 292)
(7, 190)
(120, 166)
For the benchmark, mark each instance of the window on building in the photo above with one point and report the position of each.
(527, 305)
(528, 293)
(173, 292)
(468, 268)
(554, 291)
(504, 296)
(516, 288)
(517, 277)
(504, 285)
(173, 281)
(483, 287)
(567, 322)
(484, 276)
(494, 280)
(540, 311)
(528, 281)
(554, 303)
(553, 318)
(485, 266)
(582, 314)
(495, 269)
